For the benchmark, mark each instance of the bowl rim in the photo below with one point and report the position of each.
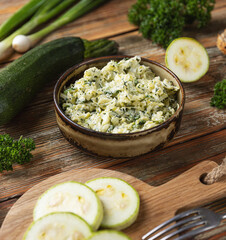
(98, 133)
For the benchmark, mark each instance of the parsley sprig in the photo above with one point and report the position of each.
(219, 98)
(14, 151)
(163, 20)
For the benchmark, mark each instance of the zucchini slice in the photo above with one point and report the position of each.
(187, 58)
(120, 200)
(108, 235)
(58, 226)
(72, 197)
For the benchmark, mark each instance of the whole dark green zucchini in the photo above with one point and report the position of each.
(23, 78)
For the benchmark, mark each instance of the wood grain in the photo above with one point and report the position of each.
(183, 191)
(102, 22)
(163, 161)
(201, 137)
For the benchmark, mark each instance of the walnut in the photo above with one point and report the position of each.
(221, 42)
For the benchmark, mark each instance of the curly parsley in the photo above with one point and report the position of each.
(219, 98)
(164, 20)
(14, 151)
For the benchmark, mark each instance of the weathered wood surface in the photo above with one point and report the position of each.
(202, 135)
(181, 192)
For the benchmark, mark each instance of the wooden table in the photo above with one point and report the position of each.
(202, 135)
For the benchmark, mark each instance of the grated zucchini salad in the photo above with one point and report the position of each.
(122, 97)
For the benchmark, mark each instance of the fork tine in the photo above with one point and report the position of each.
(176, 225)
(194, 232)
(192, 225)
(174, 219)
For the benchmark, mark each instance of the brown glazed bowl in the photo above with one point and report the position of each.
(112, 144)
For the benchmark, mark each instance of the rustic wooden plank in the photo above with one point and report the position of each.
(62, 157)
(8, 7)
(162, 166)
(181, 192)
(201, 135)
(6, 205)
(105, 21)
(99, 23)
(199, 118)
(47, 137)
(197, 92)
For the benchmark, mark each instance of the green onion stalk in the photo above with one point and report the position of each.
(19, 17)
(48, 10)
(75, 12)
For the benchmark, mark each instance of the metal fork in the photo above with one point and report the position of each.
(188, 224)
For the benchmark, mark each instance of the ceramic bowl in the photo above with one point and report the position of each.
(112, 144)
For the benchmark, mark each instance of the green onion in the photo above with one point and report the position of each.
(47, 11)
(75, 12)
(19, 17)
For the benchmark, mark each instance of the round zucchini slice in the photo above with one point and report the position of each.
(58, 226)
(108, 235)
(72, 197)
(120, 200)
(187, 58)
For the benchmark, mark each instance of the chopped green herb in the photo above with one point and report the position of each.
(110, 128)
(142, 122)
(137, 116)
(136, 81)
(115, 93)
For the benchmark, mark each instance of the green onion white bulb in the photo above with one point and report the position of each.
(21, 43)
